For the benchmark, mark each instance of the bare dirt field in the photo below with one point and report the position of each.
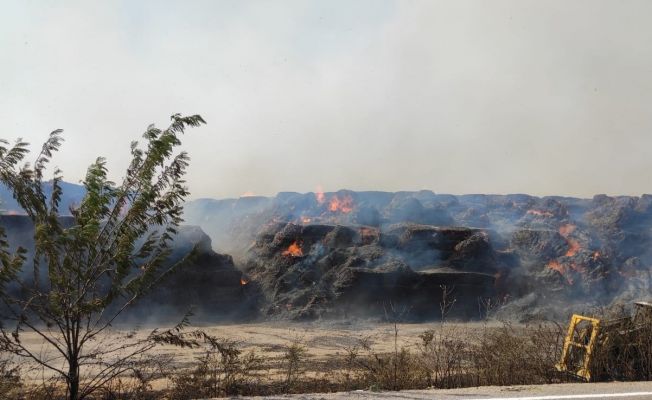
(324, 342)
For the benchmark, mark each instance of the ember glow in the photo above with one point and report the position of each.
(540, 213)
(319, 195)
(243, 281)
(562, 269)
(306, 220)
(566, 229)
(294, 250)
(343, 205)
(573, 245)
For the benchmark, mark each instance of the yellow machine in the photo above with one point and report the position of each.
(587, 336)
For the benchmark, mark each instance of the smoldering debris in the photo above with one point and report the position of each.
(347, 253)
(407, 255)
(346, 270)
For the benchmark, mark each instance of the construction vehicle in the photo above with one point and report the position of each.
(621, 348)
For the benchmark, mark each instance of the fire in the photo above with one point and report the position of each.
(319, 195)
(306, 220)
(566, 229)
(573, 245)
(573, 248)
(596, 255)
(540, 213)
(565, 269)
(294, 250)
(344, 204)
(562, 269)
(243, 281)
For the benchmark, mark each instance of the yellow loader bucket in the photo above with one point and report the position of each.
(582, 337)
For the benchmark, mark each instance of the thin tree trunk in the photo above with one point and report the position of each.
(73, 379)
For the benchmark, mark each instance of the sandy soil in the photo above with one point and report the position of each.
(323, 340)
(326, 344)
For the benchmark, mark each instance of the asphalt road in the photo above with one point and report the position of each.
(611, 391)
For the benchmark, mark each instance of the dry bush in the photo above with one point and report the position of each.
(348, 374)
(47, 389)
(513, 356)
(10, 382)
(398, 370)
(294, 357)
(443, 353)
(624, 350)
(363, 367)
(506, 355)
(137, 385)
(447, 356)
(393, 371)
(223, 370)
(641, 350)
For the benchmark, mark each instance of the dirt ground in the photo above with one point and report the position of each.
(323, 341)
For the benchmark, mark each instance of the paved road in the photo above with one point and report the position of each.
(569, 391)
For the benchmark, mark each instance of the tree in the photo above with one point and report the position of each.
(84, 274)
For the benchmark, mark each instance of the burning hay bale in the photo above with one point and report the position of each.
(536, 246)
(306, 271)
(574, 249)
(313, 254)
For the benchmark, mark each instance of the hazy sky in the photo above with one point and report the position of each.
(542, 97)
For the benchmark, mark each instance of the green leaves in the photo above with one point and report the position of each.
(49, 147)
(114, 250)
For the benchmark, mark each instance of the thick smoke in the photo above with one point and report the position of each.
(544, 255)
(313, 255)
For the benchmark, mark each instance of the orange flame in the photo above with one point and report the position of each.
(319, 195)
(562, 269)
(573, 247)
(243, 281)
(540, 213)
(306, 220)
(344, 205)
(566, 229)
(294, 250)
(565, 269)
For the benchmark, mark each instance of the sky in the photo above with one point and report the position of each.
(503, 96)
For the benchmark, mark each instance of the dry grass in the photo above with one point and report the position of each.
(625, 348)
(391, 356)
